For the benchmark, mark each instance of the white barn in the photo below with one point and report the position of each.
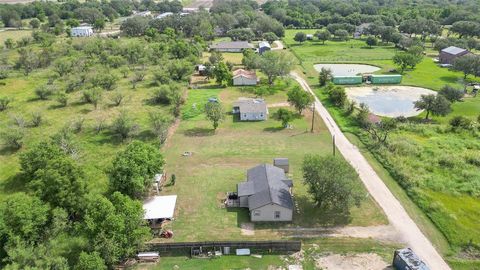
(81, 31)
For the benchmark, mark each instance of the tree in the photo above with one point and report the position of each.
(63, 66)
(323, 35)
(300, 37)
(62, 99)
(9, 43)
(99, 24)
(337, 95)
(451, 93)
(270, 37)
(28, 60)
(115, 228)
(341, 34)
(222, 74)
(331, 182)
(241, 34)
(250, 59)
(371, 41)
(299, 99)
(160, 124)
(380, 131)
(124, 126)
(274, 65)
(460, 122)
(4, 103)
(37, 157)
(135, 26)
(214, 112)
(133, 169)
(23, 216)
(92, 96)
(466, 28)
(467, 64)
(13, 137)
(284, 115)
(404, 60)
(61, 183)
(90, 261)
(215, 58)
(44, 92)
(437, 105)
(324, 76)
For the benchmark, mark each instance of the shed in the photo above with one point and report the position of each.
(309, 36)
(231, 46)
(148, 256)
(159, 208)
(448, 55)
(406, 259)
(281, 163)
(242, 77)
(81, 31)
(263, 46)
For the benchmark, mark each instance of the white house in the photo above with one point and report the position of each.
(231, 46)
(81, 31)
(267, 194)
(251, 109)
(243, 77)
(163, 15)
(309, 36)
(159, 208)
(146, 13)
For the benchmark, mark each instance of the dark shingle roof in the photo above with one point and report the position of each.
(280, 161)
(269, 187)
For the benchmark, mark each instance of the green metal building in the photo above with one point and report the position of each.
(386, 79)
(347, 79)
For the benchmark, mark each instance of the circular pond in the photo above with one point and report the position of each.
(389, 101)
(347, 69)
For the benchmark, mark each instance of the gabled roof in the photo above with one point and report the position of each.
(244, 73)
(262, 44)
(159, 207)
(250, 105)
(454, 50)
(232, 45)
(269, 187)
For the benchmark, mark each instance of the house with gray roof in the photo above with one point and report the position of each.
(263, 46)
(266, 193)
(231, 46)
(448, 55)
(251, 109)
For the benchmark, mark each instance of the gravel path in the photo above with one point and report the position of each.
(394, 211)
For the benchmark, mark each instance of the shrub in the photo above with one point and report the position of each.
(77, 125)
(161, 95)
(124, 126)
(62, 99)
(160, 124)
(473, 159)
(13, 137)
(337, 95)
(117, 98)
(37, 119)
(4, 102)
(452, 94)
(460, 122)
(92, 96)
(44, 92)
(18, 120)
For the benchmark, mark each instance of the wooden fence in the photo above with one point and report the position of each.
(254, 246)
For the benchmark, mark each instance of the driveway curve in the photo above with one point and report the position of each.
(392, 208)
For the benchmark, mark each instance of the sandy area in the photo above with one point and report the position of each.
(247, 228)
(347, 69)
(390, 101)
(363, 261)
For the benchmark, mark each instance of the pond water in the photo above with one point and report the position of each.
(347, 69)
(390, 101)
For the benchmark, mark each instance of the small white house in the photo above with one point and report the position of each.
(309, 37)
(81, 31)
(159, 208)
(242, 77)
(163, 15)
(251, 109)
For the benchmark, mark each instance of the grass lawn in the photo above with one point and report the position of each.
(220, 160)
(14, 34)
(439, 162)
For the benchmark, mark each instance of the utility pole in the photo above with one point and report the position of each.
(313, 116)
(333, 139)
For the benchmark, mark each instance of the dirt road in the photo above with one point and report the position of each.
(394, 211)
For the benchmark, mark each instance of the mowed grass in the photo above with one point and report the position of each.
(14, 34)
(96, 150)
(220, 160)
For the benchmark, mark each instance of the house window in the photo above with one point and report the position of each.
(261, 115)
(245, 115)
(277, 215)
(256, 213)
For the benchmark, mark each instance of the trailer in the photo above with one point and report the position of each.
(385, 79)
(347, 79)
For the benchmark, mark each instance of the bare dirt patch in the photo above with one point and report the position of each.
(362, 261)
(247, 228)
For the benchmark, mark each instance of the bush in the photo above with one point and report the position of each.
(44, 92)
(473, 159)
(13, 137)
(4, 102)
(124, 126)
(337, 95)
(117, 98)
(161, 95)
(452, 94)
(62, 99)
(37, 119)
(460, 122)
(92, 96)
(18, 120)
(77, 125)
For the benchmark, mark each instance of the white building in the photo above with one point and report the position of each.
(251, 109)
(81, 31)
(163, 15)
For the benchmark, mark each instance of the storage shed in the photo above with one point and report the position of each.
(263, 46)
(159, 208)
(347, 79)
(448, 55)
(406, 259)
(386, 79)
(281, 163)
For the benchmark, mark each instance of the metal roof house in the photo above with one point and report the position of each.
(448, 55)
(406, 259)
(81, 31)
(263, 46)
(159, 208)
(251, 109)
(242, 77)
(267, 194)
(231, 46)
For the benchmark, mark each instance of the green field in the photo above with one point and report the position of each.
(14, 34)
(437, 167)
(220, 160)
